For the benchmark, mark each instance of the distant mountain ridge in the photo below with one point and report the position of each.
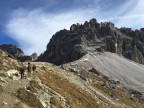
(18, 52)
(12, 49)
(69, 45)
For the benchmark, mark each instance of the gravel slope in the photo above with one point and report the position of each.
(116, 67)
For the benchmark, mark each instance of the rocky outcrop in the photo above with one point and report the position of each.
(12, 49)
(69, 45)
(63, 49)
(34, 56)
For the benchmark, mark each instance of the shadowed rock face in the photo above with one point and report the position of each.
(12, 49)
(18, 53)
(69, 45)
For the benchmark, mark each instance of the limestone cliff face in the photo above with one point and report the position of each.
(69, 45)
(63, 47)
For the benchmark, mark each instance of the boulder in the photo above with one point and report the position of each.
(34, 56)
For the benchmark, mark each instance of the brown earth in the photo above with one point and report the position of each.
(53, 87)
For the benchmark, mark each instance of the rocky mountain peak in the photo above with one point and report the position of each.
(66, 46)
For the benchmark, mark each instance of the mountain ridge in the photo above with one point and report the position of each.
(18, 53)
(69, 45)
(12, 49)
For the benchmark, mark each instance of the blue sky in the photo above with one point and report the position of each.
(31, 23)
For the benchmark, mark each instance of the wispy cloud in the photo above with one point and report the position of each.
(32, 29)
(131, 15)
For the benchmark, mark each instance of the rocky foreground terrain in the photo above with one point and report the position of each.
(54, 87)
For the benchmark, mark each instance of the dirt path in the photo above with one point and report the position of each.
(8, 95)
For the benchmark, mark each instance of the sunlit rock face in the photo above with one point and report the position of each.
(34, 56)
(7, 61)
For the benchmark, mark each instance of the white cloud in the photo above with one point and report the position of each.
(133, 15)
(33, 29)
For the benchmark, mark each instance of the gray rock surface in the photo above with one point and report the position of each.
(34, 56)
(130, 74)
(70, 45)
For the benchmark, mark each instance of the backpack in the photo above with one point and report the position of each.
(34, 67)
(22, 70)
(29, 68)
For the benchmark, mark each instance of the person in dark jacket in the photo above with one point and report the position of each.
(22, 72)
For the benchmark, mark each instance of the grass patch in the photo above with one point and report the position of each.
(55, 102)
(74, 97)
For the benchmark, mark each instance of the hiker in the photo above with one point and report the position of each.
(34, 68)
(22, 71)
(29, 68)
